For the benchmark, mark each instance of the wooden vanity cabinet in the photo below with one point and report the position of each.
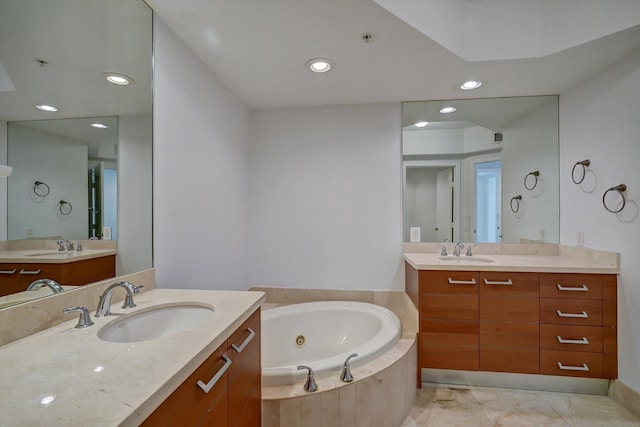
(517, 322)
(16, 277)
(235, 398)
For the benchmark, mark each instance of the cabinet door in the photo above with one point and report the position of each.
(9, 279)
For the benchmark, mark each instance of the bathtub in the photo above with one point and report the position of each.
(322, 335)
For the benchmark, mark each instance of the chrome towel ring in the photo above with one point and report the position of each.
(65, 207)
(584, 164)
(621, 188)
(517, 204)
(535, 175)
(41, 189)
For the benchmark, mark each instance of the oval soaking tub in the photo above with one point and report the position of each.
(322, 335)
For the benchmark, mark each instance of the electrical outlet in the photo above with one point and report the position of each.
(579, 238)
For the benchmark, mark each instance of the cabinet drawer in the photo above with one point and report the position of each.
(449, 332)
(564, 285)
(449, 282)
(448, 357)
(571, 311)
(571, 363)
(571, 338)
(449, 307)
(524, 361)
(509, 285)
(509, 335)
(510, 309)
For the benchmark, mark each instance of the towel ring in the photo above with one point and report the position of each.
(41, 189)
(619, 188)
(65, 207)
(535, 175)
(517, 200)
(584, 164)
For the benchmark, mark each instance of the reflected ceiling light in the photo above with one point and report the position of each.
(319, 65)
(98, 126)
(118, 79)
(447, 110)
(420, 124)
(470, 85)
(45, 107)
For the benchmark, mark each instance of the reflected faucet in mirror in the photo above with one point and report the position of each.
(40, 283)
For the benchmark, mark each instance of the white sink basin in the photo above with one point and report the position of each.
(156, 322)
(465, 259)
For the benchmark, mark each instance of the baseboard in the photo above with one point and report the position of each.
(518, 381)
(625, 395)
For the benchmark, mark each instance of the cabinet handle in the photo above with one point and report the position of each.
(584, 367)
(8, 271)
(208, 386)
(582, 315)
(245, 342)
(462, 282)
(584, 340)
(489, 282)
(23, 271)
(583, 288)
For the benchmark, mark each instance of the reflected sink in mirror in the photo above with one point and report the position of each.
(156, 322)
(465, 259)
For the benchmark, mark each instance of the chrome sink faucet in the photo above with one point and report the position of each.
(456, 249)
(61, 245)
(37, 284)
(104, 304)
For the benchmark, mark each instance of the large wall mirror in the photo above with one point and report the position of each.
(481, 170)
(95, 151)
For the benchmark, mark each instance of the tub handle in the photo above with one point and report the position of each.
(310, 385)
(208, 386)
(346, 376)
(245, 342)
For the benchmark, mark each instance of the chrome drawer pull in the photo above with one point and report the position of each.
(462, 282)
(23, 271)
(582, 315)
(8, 271)
(245, 342)
(584, 340)
(489, 282)
(582, 288)
(584, 367)
(208, 386)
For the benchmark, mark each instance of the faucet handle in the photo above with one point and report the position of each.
(60, 244)
(469, 251)
(79, 247)
(346, 370)
(85, 319)
(310, 385)
(443, 252)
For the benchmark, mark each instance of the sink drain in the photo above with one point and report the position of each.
(300, 341)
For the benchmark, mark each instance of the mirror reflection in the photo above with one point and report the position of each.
(481, 170)
(73, 160)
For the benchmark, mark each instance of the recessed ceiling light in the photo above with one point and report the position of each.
(447, 110)
(118, 79)
(319, 65)
(98, 125)
(471, 84)
(420, 124)
(45, 107)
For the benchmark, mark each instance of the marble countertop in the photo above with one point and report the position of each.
(500, 262)
(51, 256)
(68, 376)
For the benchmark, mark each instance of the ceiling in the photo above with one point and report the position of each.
(259, 48)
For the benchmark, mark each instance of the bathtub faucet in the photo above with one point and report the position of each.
(346, 370)
(310, 385)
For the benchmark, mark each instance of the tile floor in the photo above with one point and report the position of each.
(452, 406)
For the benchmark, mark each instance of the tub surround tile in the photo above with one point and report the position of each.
(311, 410)
(290, 413)
(347, 406)
(271, 414)
(330, 409)
(25, 319)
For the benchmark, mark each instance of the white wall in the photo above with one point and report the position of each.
(135, 236)
(325, 195)
(599, 121)
(419, 205)
(200, 172)
(62, 164)
(3, 181)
